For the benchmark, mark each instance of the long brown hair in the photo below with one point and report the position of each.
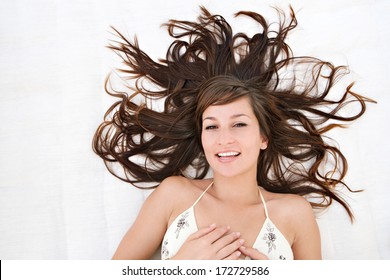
(215, 66)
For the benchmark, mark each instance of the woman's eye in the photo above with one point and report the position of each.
(240, 125)
(209, 127)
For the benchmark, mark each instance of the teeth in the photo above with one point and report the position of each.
(228, 154)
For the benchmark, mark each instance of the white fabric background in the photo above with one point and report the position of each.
(57, 201)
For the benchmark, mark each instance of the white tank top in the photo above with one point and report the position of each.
(270, 241)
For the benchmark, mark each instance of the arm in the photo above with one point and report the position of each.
(307, 241)
(145, 235)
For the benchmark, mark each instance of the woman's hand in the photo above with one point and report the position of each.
(252, 253)
(211, 243)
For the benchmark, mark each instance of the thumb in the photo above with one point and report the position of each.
(253, 253)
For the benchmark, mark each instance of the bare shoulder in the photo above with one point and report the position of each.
(181, 186)
(171, 184)
(294, 207)
(178, 192)
(297, 202)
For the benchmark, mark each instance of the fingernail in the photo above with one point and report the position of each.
(212, 225)
(237, 234)
(238, 253)
(242, 241)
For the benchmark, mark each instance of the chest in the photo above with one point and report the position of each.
(248, 221)
(255, 228)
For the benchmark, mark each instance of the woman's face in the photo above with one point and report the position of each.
(231, 138)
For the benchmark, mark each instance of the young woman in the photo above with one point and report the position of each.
(243, 108)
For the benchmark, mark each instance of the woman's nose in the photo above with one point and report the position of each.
(225, 137)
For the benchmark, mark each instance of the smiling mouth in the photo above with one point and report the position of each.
(228, 155)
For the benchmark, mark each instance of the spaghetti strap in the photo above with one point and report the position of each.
(202, 194)
(265, 206)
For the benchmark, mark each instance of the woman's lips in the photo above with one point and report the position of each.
(227, 156)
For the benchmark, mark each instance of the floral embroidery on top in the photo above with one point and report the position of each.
(164, 250)
(270, 238)
(181, 224)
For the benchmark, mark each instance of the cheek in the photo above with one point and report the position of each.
(205, 142)
(254, 144)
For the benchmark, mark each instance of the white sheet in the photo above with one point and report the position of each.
(57, 201)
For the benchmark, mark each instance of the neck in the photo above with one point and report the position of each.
(237, 190)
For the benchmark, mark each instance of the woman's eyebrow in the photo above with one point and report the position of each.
(232, 117)
(239, 115)
(209, 118)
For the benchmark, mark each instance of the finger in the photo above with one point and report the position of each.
(216, 234)
(253, 253)
(234, 256)
(226, 240)
(231, 246)
(202, 232)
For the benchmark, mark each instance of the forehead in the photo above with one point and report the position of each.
(239, 106)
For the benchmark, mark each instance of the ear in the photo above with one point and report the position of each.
(264, 142)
